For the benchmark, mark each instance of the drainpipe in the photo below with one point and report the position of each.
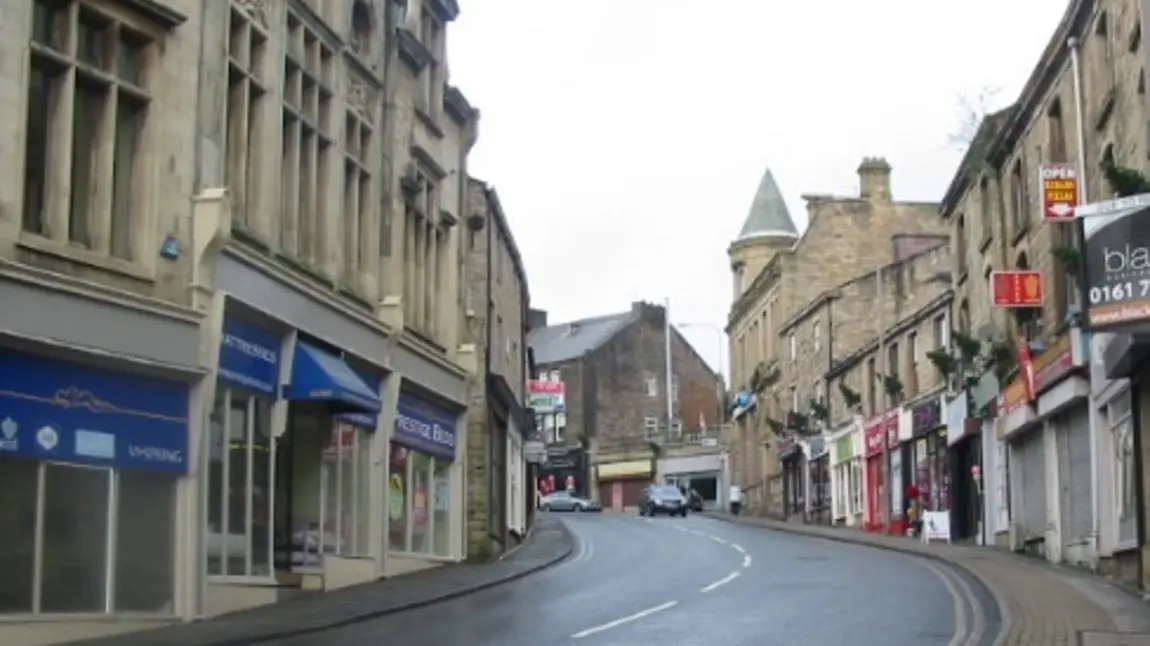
(1079, 126)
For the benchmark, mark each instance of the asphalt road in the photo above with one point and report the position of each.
(635, 581)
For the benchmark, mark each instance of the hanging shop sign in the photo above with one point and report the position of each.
(1016, 288)
(1116, 258)
(546, 397)
(1059, 184)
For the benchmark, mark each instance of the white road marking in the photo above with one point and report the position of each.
(747, 561)
(721, 582)
(959, 609)
(624, 620)
(738, 548)
(717, 539)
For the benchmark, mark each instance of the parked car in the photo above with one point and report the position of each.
(563, 501)
(662, 499)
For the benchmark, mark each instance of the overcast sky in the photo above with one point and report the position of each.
(626, 138)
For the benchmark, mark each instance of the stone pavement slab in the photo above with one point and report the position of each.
(548, 544)
(1038, 607)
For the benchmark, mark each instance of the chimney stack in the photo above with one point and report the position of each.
(874, 179)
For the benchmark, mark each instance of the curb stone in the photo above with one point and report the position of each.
(1003, 611)
(262, 638)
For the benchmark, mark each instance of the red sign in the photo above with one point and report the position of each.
(1059, 184)
(1015, 395)
(1052, 364)
(545, 387)
(1018, 288)
(876, 428)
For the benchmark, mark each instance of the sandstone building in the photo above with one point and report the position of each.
(778, 274)
(613, 367)
(1055, 451)
(237, 243)
(497, 300)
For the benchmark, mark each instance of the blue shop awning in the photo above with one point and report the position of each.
(320, 376)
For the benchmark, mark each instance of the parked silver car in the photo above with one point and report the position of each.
(563, 501)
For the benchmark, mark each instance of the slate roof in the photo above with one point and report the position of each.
(768, 214)
(566, 341)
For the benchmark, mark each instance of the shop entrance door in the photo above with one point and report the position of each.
(875, 490)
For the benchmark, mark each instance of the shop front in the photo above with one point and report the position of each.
(517, 480)
(964, 442)
(565, 468)
(794, 478)
(880, 436)
(931, 470)
(1062, 395)
(845, 475)
(700, 473)
(818, 480)
(1118, 502)
(621, 484)
(93, 466)
(289, 468)
(331, 448)
(101, 399)
(422, 483)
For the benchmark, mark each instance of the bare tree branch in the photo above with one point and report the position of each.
(970, 110)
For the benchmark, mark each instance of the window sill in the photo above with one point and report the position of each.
(420, 555)
(88, 616)
(46, 247)
(239, 579)
(1020, 235)
(1125, 546)
(429, 122)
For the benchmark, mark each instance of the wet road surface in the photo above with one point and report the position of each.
(633, 581)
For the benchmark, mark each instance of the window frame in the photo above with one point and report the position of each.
(225, 395)
(113, 478)
(113, 241)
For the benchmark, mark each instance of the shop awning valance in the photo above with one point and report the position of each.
(320, 376)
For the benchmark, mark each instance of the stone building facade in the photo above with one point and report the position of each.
(845, 320)
(222, 230)
(614, 370)
(1053, 450)
(497, 299)
(846, 238)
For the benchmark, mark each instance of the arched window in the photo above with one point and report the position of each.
(362, 27)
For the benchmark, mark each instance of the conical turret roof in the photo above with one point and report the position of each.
(768, 215)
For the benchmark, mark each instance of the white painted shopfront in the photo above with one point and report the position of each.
(847, 474)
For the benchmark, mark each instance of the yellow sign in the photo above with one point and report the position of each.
(633, 468)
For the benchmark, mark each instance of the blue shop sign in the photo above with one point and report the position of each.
(425, 427)
(55, 410)
(249, 356)
(366, 421)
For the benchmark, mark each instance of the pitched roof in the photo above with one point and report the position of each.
(566, 341)
(768, 215)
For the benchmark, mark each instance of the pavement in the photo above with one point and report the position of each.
(548, 543)
(1039, 604)
(698, 581)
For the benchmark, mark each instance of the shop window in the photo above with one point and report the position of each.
(1118, 415)
(397, 499)
(441, 507)
(107, 539)
(419, 503)
(856, 487)
(345, 478)
(240, 486)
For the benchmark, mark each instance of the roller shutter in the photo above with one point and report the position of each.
(1075, 500)
(1028, 481)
